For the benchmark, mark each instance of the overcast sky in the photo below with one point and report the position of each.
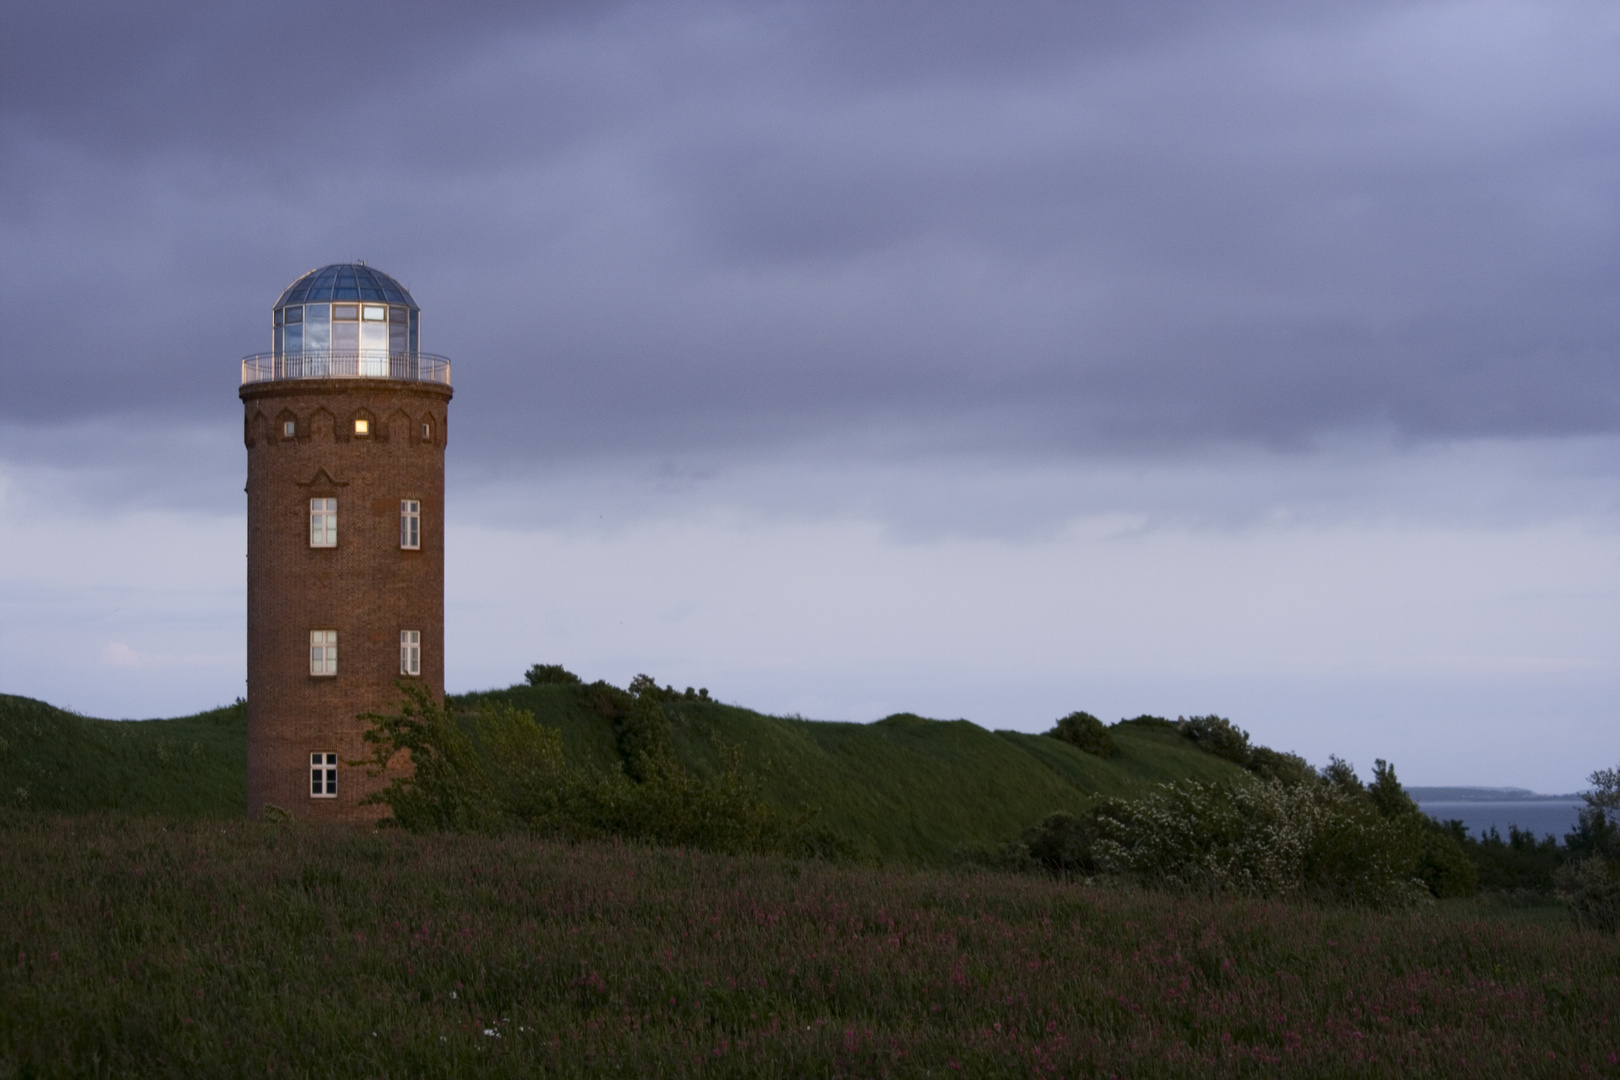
(846, 358)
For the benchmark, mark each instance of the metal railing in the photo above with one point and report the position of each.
(406, 367)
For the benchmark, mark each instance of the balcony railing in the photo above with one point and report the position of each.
(406, 367)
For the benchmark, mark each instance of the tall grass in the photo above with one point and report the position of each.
(144, 947)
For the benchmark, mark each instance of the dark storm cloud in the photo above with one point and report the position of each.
(1053, 227)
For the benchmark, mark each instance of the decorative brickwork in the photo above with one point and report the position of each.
(367, 587)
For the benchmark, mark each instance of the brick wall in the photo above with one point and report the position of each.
(366, 588)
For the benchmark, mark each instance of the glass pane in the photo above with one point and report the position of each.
(374, 350)
(293, 315)
(346, 311)
(317, 337)
(294, 339)
(397, 337)
(399, 315)
(345, 339)
(374, 312)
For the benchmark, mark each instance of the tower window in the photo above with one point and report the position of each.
(323, 523)
(374, 312)
(289, 428)
(362, 427)
(410, 524)
(323, 775)
(323, 652)
(427, 432)
(410, 652)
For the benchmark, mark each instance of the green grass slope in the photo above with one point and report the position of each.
(904, 788)
(59, 761)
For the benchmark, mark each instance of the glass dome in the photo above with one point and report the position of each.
(346, 320)
(346, 281)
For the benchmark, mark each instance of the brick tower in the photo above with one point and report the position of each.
(345, 425)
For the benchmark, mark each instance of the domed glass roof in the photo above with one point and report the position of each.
(346, 281)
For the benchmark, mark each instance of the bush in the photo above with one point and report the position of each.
(1590, 881)
(1269, 764)
(1219, 736)
(550, 675)
(1311, 837)
(1591, 888)
(1061, 845)
(1264, 839)
(1082, 730)
(499, 769)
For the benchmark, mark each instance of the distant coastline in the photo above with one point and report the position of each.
(1481, 809)
(1485, 794)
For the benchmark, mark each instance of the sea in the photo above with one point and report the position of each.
(1540, 816)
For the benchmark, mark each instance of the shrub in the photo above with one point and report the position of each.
(499, 769)
(1314, 838)
(1264, 839)
(642, 730)
(1591, 888)
(1590, 881)
(1061, 845)
(1147, 721)
(1219, 736)
(1387, 794)
(1519, 864)
(550, 675)
(1269, 764)
(1082, 730)
(1342, 775)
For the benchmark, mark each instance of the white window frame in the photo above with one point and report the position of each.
(410, 652)
(323, 523)
(410, 524)
(323, 652)
(323, 774)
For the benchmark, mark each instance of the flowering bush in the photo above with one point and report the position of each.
(1262, 839)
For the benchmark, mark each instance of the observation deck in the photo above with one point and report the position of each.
(400, 367)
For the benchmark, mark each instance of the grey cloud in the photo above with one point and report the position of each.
(1042, 228)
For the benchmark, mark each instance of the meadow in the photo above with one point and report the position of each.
(144, 946)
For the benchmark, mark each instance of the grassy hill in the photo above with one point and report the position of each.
(51, 759)
(905, 788)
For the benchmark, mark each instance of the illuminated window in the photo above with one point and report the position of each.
(323, 775)
(362, 427)
(410, 652)
(323, 523)
(410, 524)
(323, 652)
(374, 312)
